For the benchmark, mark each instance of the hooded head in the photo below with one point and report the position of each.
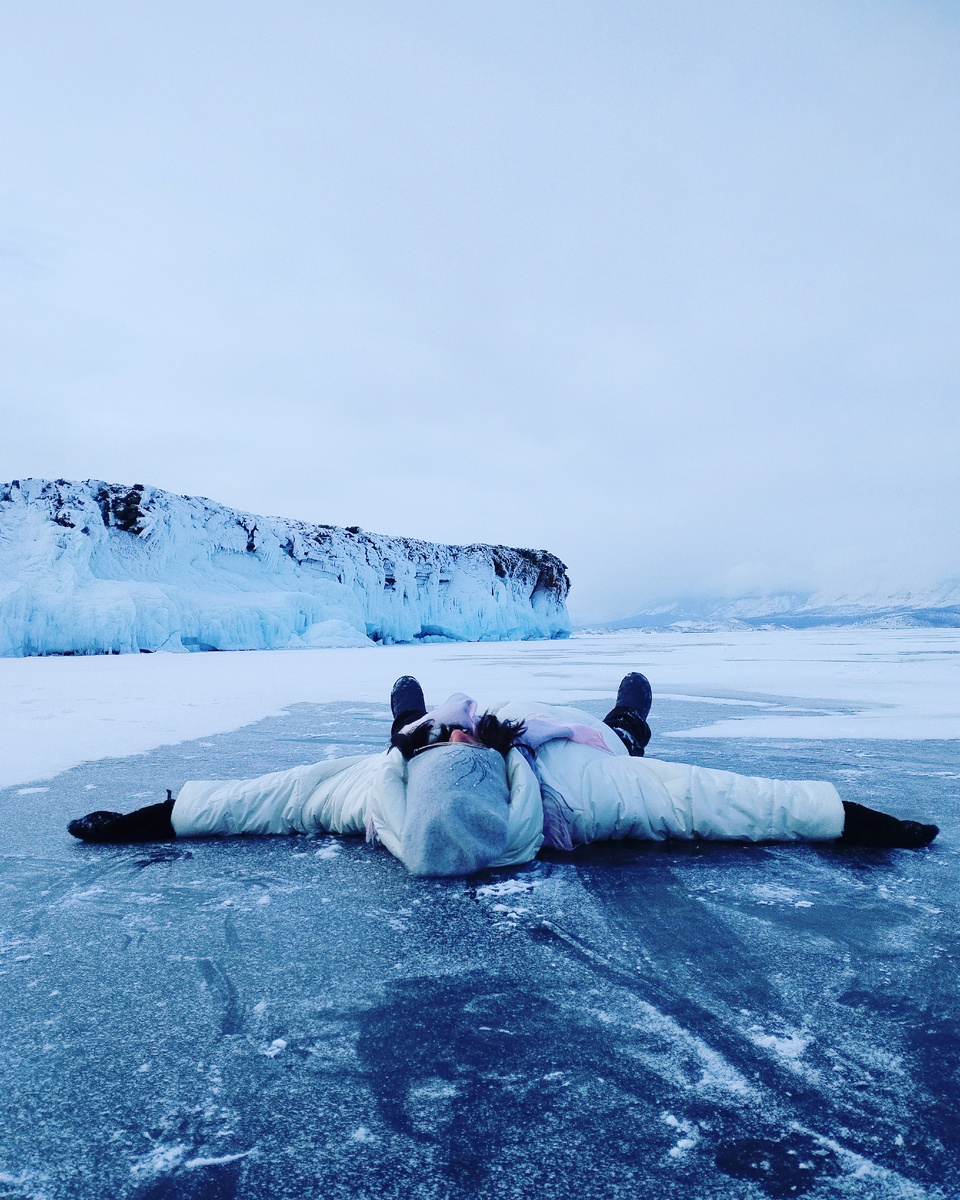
(457, 807)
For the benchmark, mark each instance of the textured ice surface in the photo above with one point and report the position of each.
(95, 568)
(300, 1017)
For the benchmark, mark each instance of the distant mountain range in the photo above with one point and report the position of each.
(930, 608)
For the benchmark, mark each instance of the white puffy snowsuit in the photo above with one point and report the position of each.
(600, 796)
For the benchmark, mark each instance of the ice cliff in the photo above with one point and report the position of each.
(94, 568)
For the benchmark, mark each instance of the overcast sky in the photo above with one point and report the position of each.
(671, 289)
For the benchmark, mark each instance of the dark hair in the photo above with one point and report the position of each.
(410, 743)
(499, 735)
(490, 732)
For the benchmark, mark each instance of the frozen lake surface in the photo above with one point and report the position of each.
(898, 684)
(301, 1018)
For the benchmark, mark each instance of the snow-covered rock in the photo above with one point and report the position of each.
(95, 568)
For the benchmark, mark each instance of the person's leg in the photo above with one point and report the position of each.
(406, 703)
(864, 826)
(150, 824)
(628, 717)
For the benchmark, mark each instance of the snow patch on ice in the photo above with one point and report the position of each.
(689, 1134)
(20, 1182)
(774, 893)
(158, 1159)
(787, 1046)
(716, 1074)
(192, 1163)
(885, 1184)
(435, 1089)
(508, 887)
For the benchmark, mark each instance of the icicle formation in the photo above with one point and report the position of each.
(97, 568)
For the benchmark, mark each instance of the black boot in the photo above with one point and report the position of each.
(628, 718)
(150, 824)
(406, 703)
(88, 828)
(630, 728)
(864, 827)
(406, 696)
(635, 692)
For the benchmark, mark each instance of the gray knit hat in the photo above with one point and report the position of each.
(457, 807)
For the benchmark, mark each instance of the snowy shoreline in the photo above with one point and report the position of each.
(814, 684)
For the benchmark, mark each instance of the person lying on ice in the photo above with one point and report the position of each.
(457, 792)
